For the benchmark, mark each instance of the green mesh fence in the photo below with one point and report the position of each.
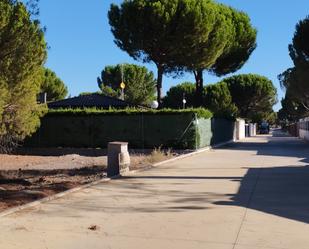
(178, 131)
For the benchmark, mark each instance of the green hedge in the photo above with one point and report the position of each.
(199, 112)
(179, 129)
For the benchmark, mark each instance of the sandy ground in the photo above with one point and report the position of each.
(25, 162)
(33, 174)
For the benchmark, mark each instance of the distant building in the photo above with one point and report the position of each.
(94, 100)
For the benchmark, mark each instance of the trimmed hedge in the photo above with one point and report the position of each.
(179, 129)
(199, 112)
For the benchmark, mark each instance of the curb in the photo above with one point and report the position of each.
(107, 179)
(190, 154)
(52, 197)
(199, 151)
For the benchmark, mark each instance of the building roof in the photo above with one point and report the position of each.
(90, 100)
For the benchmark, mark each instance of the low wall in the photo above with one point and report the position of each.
(303, 134)
(293, 130)
(179, 131)
(240, 129)
(250, 130)
(303, 129)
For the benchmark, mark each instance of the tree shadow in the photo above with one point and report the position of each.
(18, 187)
(281, 191)
(20, 175)
(289, 146)
(87, 152)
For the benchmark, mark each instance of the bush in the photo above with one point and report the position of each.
(199, 112)
(141, 128)
(175, 94)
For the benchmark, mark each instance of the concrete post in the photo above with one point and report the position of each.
(252, 130)
(240, 129)
(118, 158)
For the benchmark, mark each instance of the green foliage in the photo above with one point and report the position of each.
(89, 93)
(272, 118)
(183, 34)
(53, 86)
(239, 48)
(140, 128)
(174, 96)
(296, 79)
(209, 31)
(218, 100)
(299, 49)
(140, 83)
(147, 31)
(253, 95)
(292, 109)
(198, 112)
(221, 40)
(22, 54)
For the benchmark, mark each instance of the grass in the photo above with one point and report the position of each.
(158, 155)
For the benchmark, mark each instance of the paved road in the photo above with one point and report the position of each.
(250, 195)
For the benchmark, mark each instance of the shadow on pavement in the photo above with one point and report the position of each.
(281, 191)
(277, 144)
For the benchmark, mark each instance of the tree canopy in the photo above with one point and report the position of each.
(218, 100)
(174, 96)
(296, 79)
(292, 109)
(53, 86)
(146, 31)
(22, 54)
(253, 95)
(183, 35)
(238, 50)
(139, 83)
(227, 45)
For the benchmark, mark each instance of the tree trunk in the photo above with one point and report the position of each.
(159, 85)
(199, 87)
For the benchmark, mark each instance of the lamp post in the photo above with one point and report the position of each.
(122, 84)
(184, 101)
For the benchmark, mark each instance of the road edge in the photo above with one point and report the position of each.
(13, 210)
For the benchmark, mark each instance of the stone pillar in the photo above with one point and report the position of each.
(252, 130)
(118, 158)
(240, 129)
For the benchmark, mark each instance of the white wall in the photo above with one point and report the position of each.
(304, 134)
(252, 130)
(240, 129)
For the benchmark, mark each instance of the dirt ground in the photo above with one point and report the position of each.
(32, 174)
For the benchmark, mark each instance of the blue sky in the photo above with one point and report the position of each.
(81, 43)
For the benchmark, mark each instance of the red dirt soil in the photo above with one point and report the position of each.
(34, 174)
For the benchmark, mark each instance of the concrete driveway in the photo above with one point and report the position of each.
(249, 195)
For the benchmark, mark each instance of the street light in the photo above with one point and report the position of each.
(122, 84)
(154, 104)
(184, 101)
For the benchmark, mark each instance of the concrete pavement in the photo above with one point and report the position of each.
(249, 195)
